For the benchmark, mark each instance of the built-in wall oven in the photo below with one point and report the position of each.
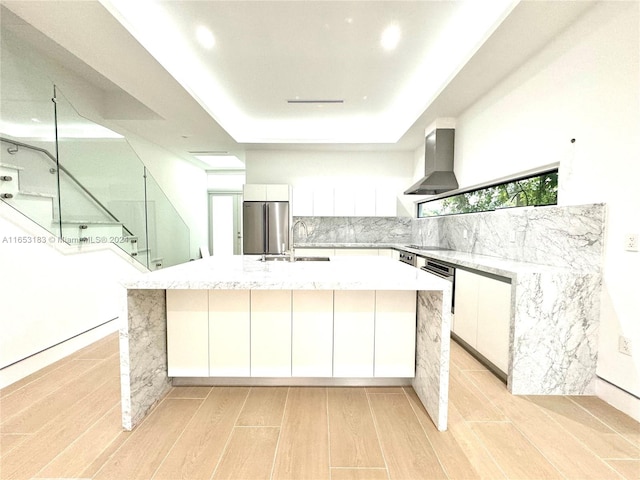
(442, 270)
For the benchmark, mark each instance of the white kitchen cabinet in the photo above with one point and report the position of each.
(353, 336)
(344, 202)
(466, 294)
(302, 202)
(386, 203)
(395, 333)
(312, 333)
(252, 192)
(386, 252)
(323, 205)
(257, 192)
(420, 262)
(271, 333)
(365, 199)
(494, 319)
(483, 315)
(229, 333)
(187, 333)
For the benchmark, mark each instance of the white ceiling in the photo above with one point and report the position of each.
(145, 57)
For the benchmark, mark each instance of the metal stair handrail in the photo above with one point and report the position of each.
(70, 175)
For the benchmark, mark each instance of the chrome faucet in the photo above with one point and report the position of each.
(292, 250)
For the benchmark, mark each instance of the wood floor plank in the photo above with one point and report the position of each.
(359, 474)
(405, 446)
(15, 402)
(199, 449)
(470, 401)
(101, 349)
(189, 392)
(615, 419)
(303, 449)
(264, 407)
(149, 443)
(596, 435)
(62, 400)
(384, 389)
(629, 469)
(463, 359)
(515, 455)
(353, 438)
(10, 440)
(78, 457)
(249, 454)
(473, 448)
(450, 453)
(27, 458)
(570, 456)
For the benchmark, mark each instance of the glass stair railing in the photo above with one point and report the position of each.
(79, 180)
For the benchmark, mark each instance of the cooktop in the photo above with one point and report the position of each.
(426, 247)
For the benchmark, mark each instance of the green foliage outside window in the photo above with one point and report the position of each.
(537, 190)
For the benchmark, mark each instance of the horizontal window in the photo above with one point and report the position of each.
(540, 189)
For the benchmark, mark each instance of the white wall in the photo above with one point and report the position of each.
(584, 85)
(52, 292)
(390, 170)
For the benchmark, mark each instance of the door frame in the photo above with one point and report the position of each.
(237, 217)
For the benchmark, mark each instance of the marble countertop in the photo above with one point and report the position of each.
(495, 265)
(248, 272)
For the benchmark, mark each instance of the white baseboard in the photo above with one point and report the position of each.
(29, 365)
(618, 398)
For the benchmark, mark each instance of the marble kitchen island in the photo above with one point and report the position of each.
(145, 371)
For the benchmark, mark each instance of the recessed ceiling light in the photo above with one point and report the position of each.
(223, 162)
(35, 120)
(205, 37)
(390, 37)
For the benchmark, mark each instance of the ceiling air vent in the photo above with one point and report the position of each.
(312, 101)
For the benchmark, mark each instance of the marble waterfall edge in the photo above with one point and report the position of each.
(143, 354)
(555, 341)
(431, 381)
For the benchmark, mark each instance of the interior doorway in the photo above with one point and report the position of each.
(225, 223)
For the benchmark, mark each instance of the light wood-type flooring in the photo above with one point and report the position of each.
(64, 422)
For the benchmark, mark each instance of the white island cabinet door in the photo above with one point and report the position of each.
(466, 315)
(353, 333)
(395, 333)
(312, 333)
(187, 333)
(229, 333)
(494, 320)
(270, 333)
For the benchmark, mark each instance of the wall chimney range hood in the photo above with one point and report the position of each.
(438, 164)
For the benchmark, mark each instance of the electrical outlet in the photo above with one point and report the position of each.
(624, 345)
(631, 242)
(512, 236)
(464, 233)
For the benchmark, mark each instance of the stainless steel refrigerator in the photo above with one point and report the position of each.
(265, 227)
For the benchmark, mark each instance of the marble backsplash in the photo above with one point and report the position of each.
(559, 236)
(353, 230)
(570, 236)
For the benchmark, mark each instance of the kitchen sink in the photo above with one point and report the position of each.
(287, 258)
(312, 259)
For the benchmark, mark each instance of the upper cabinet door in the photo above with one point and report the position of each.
(254, 193)
(302, 202)
(323, 202)
(344, 202)
(258, 192)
